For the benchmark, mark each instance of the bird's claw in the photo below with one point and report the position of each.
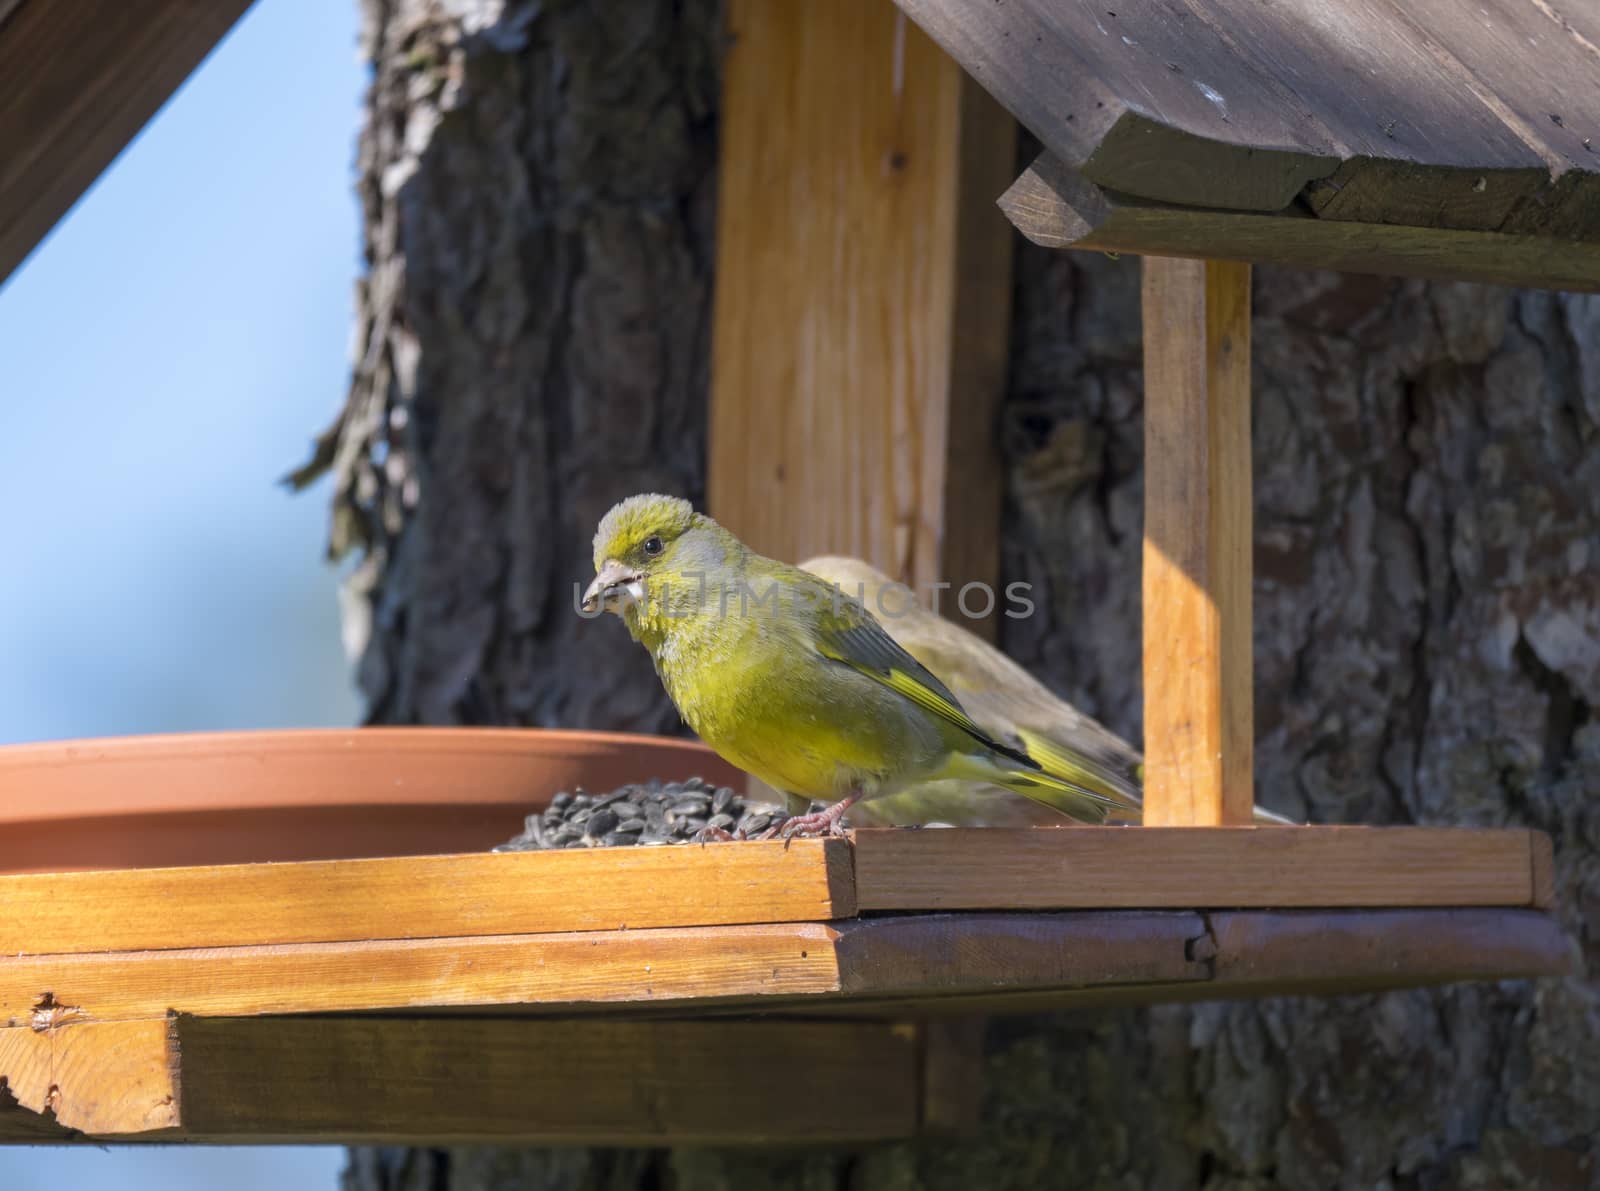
(718, 835)
(828, 823)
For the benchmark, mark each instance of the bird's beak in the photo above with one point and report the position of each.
(614, 588)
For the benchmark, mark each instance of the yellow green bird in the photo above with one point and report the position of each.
(794, 683)
(1008, 703)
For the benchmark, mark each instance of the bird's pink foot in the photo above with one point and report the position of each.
(829, 822)
(716, 835)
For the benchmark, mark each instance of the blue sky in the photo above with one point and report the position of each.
(165, 356)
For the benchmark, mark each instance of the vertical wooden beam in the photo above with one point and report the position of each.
(863, 293)
(1198, 690)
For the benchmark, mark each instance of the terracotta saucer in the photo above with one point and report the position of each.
(238, 797)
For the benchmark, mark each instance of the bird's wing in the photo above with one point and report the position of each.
(847, 634)
(1010, 704)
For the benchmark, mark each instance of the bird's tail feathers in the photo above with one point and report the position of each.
(1071, 798)
(1127, 789)
(1067, 763)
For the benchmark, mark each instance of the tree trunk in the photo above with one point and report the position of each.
(532, 343)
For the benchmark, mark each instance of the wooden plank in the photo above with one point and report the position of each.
(425, 897)
(558, 1082)
(1199, 690)
(1182, 867)
(83, 78)
(939, 955)
(952, 1075)
(1146, 97)
(22, 1126)
(1555, 108)
(870, 969)
(1242, 954)
(1322, 952)
(1421, 145)
(1233, 104)
(96, 1077)
(862, 298)
(963, 463)
(709, 965)
(591, 1082)
(1544, 870)
(1059, 209)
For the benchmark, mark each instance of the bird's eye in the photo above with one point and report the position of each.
(652, 545)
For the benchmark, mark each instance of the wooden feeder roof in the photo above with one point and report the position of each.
(1426, 137)
(91, 75)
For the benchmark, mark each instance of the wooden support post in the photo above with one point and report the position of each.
(1198, 690)
(863, 293)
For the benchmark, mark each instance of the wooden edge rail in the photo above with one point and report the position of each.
(412, 1077)
(922, 961)
(548, 903)
(426, 897)
(1199, 867)
(1057, 208)
(706, 968)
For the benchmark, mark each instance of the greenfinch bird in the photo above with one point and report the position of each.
(1007, 702)
(794, 683)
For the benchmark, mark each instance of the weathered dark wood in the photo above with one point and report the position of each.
(1247, 953)
(1131, 94)
(1420, 145)
(952, 1075)
(1378, 112)
(1539, 77)
(565, 1082)
(82, 77)
(933, 956)
(1057, 208)
(1310, 952)
(21, 1126)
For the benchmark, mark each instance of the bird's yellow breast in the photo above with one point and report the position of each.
(814, 728)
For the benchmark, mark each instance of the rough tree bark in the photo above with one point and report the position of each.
(538, 185)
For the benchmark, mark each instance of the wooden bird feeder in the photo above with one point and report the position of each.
(645, 996)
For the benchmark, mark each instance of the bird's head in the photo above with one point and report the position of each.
(645, 544)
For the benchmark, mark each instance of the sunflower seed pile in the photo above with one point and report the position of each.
(636, 814)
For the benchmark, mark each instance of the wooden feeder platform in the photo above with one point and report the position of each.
(827, 990)
(384, 999)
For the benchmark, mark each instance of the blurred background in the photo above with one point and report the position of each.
(165, 356)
